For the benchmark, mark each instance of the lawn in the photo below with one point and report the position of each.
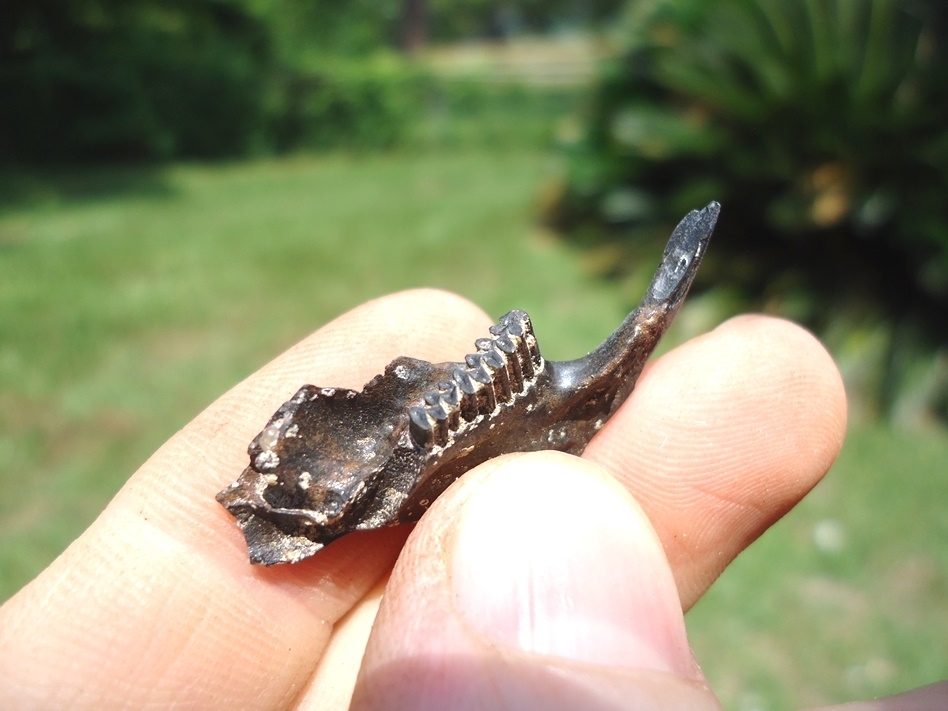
(847, 596)
(131, 298)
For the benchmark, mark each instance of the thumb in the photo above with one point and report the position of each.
(535, 582)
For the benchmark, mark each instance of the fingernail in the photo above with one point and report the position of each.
(552, 557)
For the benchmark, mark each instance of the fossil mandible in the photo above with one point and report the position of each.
(332, 460)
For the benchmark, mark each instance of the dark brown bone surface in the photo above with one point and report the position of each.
(332, 461)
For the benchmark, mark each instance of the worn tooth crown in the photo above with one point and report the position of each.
(497, 361)
(421, 424)
(478, 368)
(503, 368)
(515, 328)
(467, 387)
(504, 347)
(450, 392)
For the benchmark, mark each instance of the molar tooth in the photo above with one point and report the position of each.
(454, 419)
(450, 392)
(451, 400)
(481, 375)
(421, 426)
(468, 390)
(487, 399)
(464, 381)
(443, 404)
(478, 368)
(533, 350)
(517, 357)
(437, 411)
(519, 329)
(451, 413)
(494, 359)
(438, 416)
(500, 363)
(516, 322)
(505, 342)
(514, 371)
(507, 348)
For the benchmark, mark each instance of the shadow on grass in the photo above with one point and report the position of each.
(35, 186)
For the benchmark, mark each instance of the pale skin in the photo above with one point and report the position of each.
(536, 581)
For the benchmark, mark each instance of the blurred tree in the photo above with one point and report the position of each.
(820, 126)
(414, 25)
(362, 26)
(155, 79)
(128, 78)
(460, 19)
(302, 29)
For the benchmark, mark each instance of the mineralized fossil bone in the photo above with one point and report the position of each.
(332, 461)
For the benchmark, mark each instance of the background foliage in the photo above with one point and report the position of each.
(100, 80)
(107, 79)
(820, 126)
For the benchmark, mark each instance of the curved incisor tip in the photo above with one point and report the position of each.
(682, 256)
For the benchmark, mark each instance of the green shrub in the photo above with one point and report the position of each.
(366, 103)
(132, 80)
(105, 80)
(473, 111)
(156, 80)
(819, 125)
(389, 101)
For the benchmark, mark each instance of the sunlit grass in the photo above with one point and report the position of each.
(847, 596)
(129, 299)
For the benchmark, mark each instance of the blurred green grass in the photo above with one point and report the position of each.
(131, 298)
(847, 596)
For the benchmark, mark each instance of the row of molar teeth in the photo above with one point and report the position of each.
(497, 367)
(431, 423)
(501, 369)
(513, 334)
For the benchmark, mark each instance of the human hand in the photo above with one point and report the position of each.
(537, 581)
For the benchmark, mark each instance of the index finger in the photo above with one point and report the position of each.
(722, 436)
(156, 604)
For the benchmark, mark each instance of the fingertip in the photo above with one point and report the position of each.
(723, 395)
(549, 557)
(722, 436)
(799, 378)
(533, 582)
(797, 351)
